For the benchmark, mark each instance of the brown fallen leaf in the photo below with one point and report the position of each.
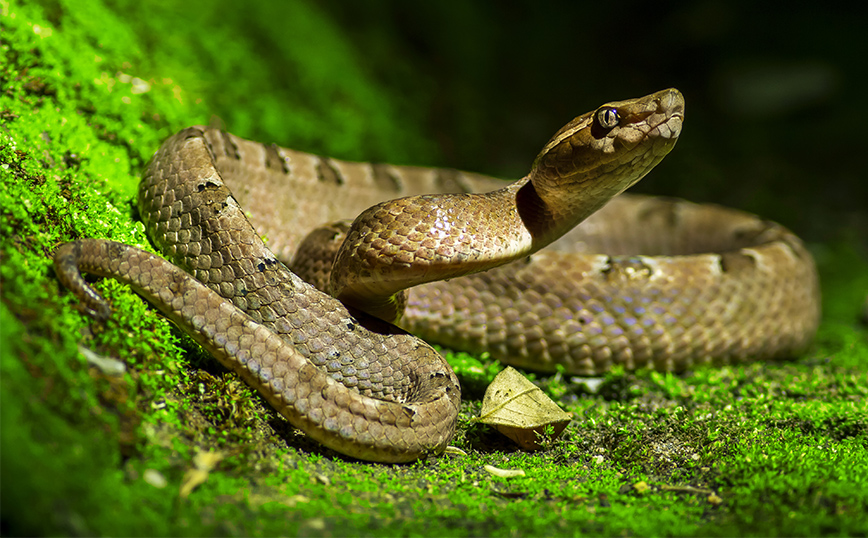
(521, 411)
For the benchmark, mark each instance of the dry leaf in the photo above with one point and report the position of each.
(520, 410)
(203, 462)
(503, 473)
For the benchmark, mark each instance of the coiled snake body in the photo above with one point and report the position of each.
(370, 390)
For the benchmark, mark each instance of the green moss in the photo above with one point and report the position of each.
(90, 89)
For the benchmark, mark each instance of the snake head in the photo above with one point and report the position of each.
(602, 153)
(615, 144)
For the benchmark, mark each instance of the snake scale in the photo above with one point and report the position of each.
(644, 282)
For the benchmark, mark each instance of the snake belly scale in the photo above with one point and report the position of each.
(678, 284)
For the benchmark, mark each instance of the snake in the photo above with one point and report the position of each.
(644, 282)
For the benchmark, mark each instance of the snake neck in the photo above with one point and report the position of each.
(388, 250)
(410, 241)
(546, 220)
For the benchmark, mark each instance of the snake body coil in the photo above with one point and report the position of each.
(370, 390)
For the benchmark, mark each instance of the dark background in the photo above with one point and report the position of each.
(776, 115)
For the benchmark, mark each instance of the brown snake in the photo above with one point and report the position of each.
(368, 389)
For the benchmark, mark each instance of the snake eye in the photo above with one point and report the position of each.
(607, 118)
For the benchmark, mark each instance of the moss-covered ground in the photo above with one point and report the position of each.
(174, 445)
